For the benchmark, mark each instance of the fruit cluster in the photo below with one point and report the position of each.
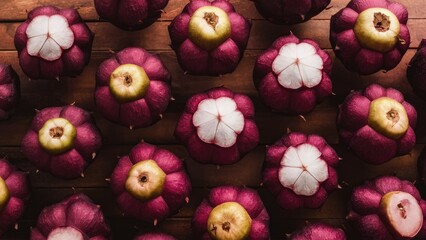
(134, 88)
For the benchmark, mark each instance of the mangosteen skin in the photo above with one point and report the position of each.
(72, 61)
(246, 197)
(76, 211)
(368, 144)
(130, 15)
(364, 207)
(287, 12)
(175, 192)
(318, 231)
(416, 71)
(10, 91)
(19, 193)
(71, 163)
(286, 197)
(347, 48)
(285, 100)
(210, 153)
(222, 59)
(145, 110)
(154, 236)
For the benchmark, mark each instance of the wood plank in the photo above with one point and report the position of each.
(37, 94)
(81, 88)
(41, 93)
(207, 175)
(157, 37)
(118, 140)
(244, 7)
(320, 122)
(271, 126)
(181, 228)
(334, 207)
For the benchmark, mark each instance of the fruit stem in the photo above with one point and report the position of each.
(56, 132)
(381, 22)
(211, 18)
(393, 116)
(226, 226)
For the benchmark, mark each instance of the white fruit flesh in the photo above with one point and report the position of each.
(57, 135)
(298, 65)
(302, 169)
(128, 82)
(209, 27)
(145, 180)
(4, 194)
(402, 213)
(218, 121)
(377, 29)
(49, 36)
(65, 233)
(388, 117)
(229, 221)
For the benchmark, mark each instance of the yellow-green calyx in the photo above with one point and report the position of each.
(128, 82)
(145, 180)
(209, 27)
(377, 29)
(57, 135)
(229, 221)
(388, 117)
(4, 194)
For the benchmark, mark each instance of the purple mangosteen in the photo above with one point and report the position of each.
(150, 183)
(132, 88)
(14, 193)
(318, 231)
(300, 170)
(53, 43)
(130, 14)
(377, 124)
(9, 91)
(209, 37)
(231, 213)
(368, 36)
(74, 218)
(388, 208)
(293, 75)
(218, 126)
(289, 11)
(62, 141)
(154, 236)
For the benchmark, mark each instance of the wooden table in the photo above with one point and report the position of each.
(38, 94)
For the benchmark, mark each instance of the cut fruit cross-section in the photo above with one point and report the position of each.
(218, 121)
(49, 36)
(302, 169)
(298, 65)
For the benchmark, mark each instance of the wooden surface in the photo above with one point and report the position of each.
(38, 94)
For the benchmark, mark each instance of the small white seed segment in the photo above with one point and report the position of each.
(218, 121)
(49, 36)
(302, 169)
(298, 65)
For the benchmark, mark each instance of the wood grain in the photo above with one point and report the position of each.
(118, 140)
(156, 37)
(19, 8)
